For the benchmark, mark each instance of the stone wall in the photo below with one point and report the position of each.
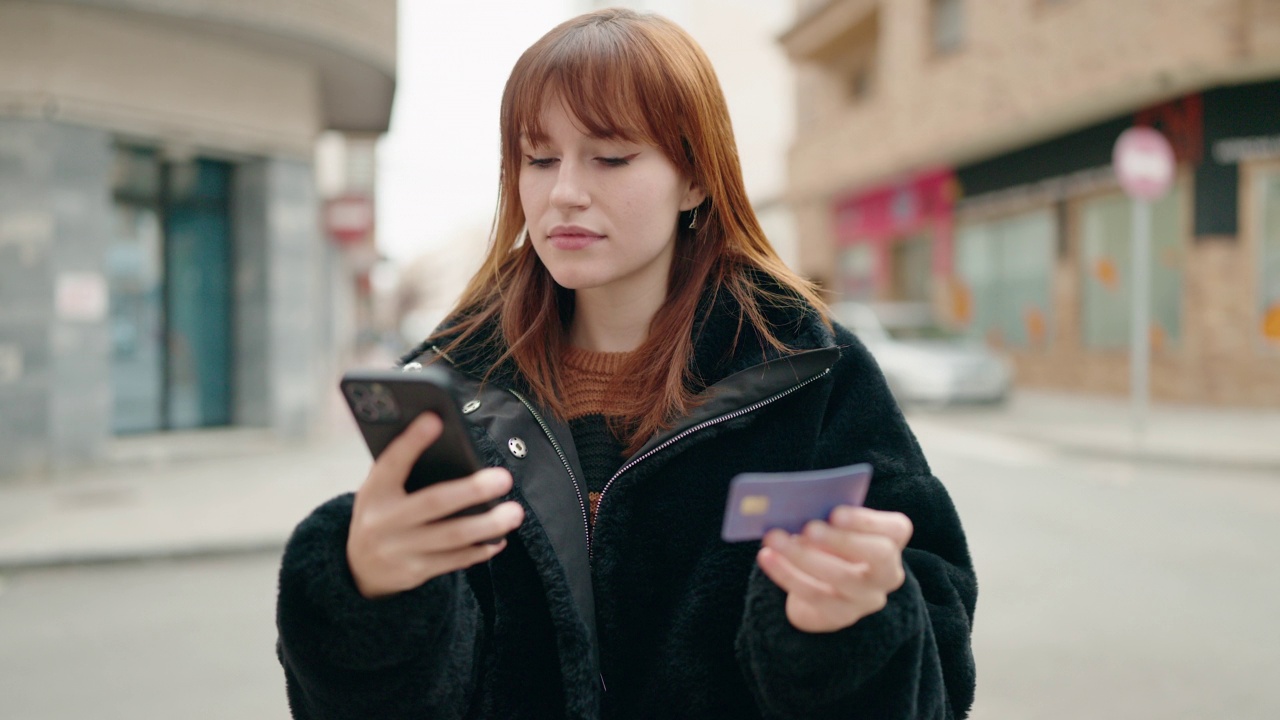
(55, 221)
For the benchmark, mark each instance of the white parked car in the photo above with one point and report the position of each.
(922, 361)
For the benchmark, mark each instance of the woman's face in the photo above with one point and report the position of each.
(601, 213)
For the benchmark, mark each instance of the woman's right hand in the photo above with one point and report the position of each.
(399, 540)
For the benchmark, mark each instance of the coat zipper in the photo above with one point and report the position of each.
(564, 460)
(687, 432)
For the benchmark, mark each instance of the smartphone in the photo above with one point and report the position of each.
(759, 502)
(384, 402)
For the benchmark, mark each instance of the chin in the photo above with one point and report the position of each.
(571, 280)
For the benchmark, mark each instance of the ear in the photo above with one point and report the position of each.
(693, 197)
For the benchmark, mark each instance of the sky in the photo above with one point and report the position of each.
(438, 165)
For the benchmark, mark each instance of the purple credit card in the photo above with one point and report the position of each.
(759, 502)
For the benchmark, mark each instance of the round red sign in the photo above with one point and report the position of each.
(1144, 163)
(349, 218)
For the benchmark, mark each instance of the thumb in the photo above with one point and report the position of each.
(392, 466)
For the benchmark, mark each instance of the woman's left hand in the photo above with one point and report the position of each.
(836, 573)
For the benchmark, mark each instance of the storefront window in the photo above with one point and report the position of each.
(1005, 270)
(1269, 262)
(135, 280)
(858, 272)
(1107, 269)
(169, 269)
(912, 269)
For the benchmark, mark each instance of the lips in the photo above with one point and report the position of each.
(572, 237)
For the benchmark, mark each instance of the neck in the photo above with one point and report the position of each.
(610, 322)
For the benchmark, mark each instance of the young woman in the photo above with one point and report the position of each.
(631, 343)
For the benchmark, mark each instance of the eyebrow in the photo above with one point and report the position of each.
(525, 140)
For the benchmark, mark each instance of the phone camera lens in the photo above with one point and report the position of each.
(373, 403)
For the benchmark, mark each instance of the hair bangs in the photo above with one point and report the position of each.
(607, 77)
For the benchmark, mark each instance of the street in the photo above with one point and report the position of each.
(142, 641)
(1108, 590)
(1114, 590)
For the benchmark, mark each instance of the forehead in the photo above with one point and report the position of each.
(557, 121)
(564, 109)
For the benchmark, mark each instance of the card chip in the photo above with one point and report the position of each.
(754, 505)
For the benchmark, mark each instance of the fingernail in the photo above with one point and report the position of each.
(778, 539)
(423, 424)
(816, 530)
(517, 515)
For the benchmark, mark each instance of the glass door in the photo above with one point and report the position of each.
(169, 268)
(198, 263)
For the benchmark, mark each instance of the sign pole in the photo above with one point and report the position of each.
(1140, 339)
(1145, 166)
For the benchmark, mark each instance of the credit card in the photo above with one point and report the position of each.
(759, 502)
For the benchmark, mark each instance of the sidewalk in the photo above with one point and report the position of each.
(195, 494)
(230, 491)
(1245, 439)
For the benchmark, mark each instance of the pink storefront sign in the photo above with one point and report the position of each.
(883, 215)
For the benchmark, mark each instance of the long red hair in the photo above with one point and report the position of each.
(642, 78)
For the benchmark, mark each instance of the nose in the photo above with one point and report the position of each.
(569, 191)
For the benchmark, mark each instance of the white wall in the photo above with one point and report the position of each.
(144, 78)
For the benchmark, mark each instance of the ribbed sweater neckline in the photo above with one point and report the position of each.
(588, 381)
(594, 362)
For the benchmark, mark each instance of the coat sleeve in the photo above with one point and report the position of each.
(913, 658)
(411, 655)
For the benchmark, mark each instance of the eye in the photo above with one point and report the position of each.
(538, 162)
(617, 161)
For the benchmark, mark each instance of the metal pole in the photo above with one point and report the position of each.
(1140, 342)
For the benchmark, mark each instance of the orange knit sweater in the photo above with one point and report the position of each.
(587, 377)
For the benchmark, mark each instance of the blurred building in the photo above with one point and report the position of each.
(163, 264)
(958, 152)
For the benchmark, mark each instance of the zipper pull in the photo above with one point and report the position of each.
(602, 685)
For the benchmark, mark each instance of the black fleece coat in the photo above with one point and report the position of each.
(681, 623)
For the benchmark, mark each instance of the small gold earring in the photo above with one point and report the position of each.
(693, 220)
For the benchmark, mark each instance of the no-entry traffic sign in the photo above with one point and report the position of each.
(1144, 163)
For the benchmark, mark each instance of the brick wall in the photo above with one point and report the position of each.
(1219, 359)
(1028, 71)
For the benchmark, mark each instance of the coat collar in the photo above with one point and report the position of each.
(724, 343)
(735, 368)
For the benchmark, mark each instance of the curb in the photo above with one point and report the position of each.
(123, 556)
(1162, 457)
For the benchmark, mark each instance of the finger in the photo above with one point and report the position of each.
(893, 525)
(880, 555)
(786, 576)
(461, 559)
(393, 464)
(451, 535)
(851, 545)
(847, 578)
(446, 498)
